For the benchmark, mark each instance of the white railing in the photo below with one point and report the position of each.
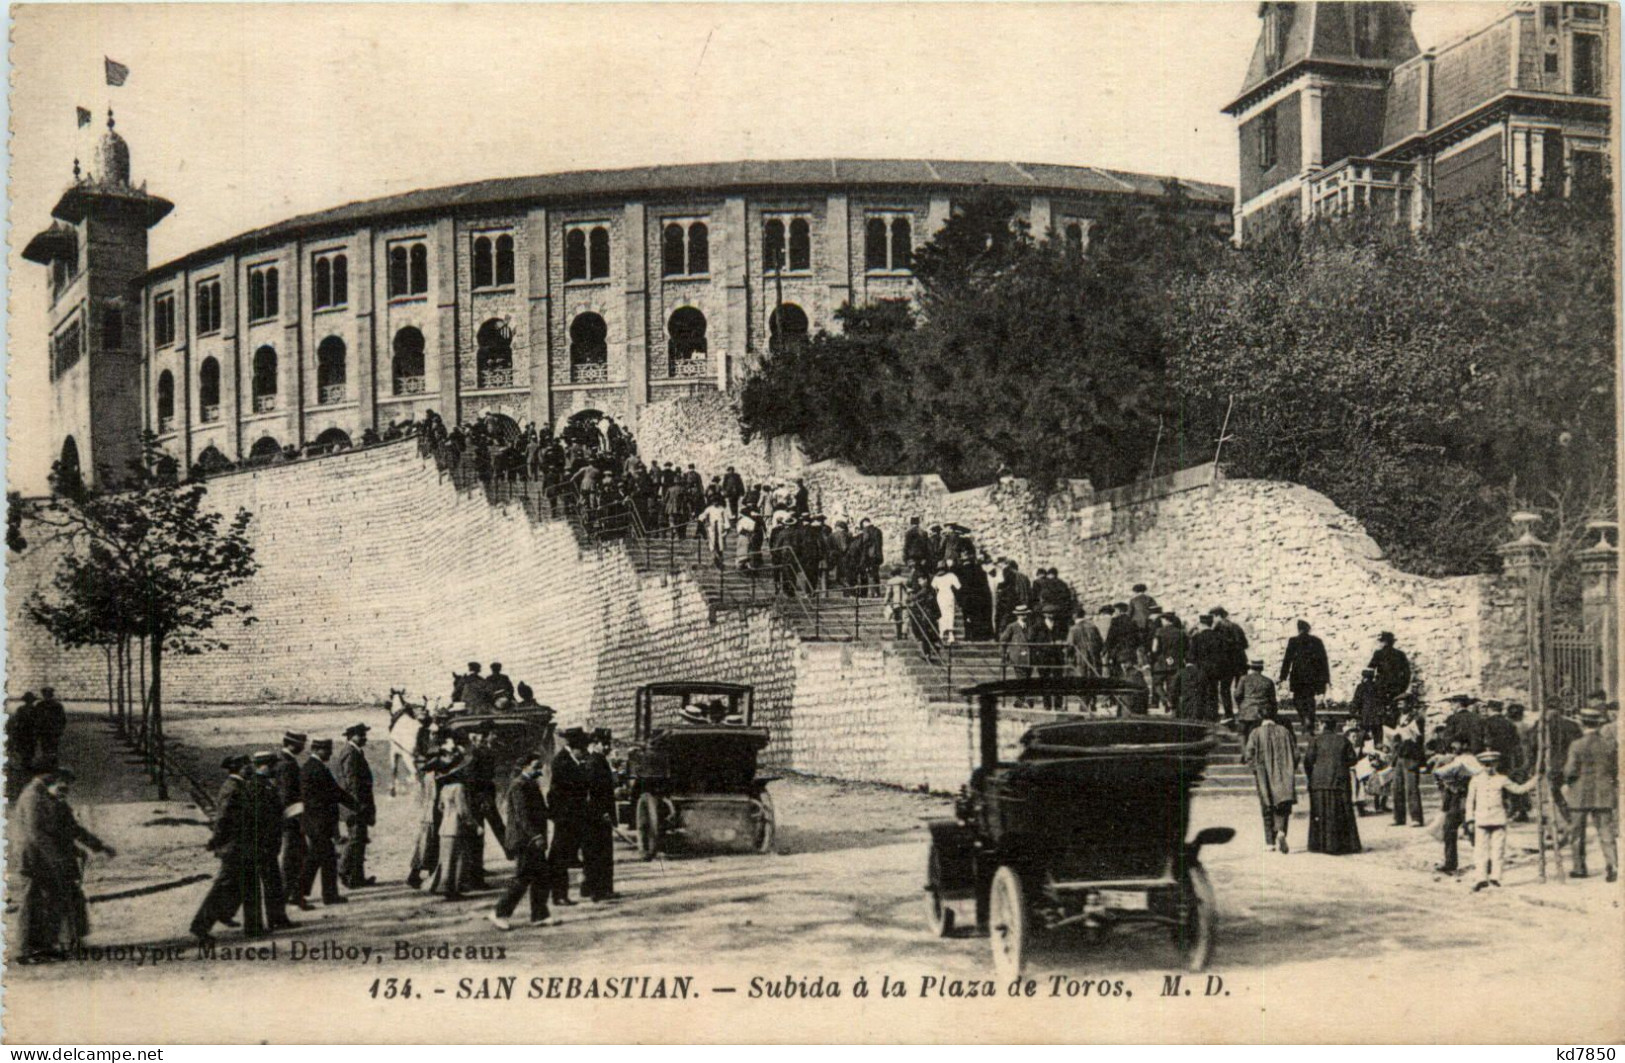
(332, 393)
(589, 373)
(496, 378)
(409, 385)
(209, 413)
(264, 403)
(697, 366)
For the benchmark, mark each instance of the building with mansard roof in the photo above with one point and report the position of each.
(529, 298)
(1341, 109)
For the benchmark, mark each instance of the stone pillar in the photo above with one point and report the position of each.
(937, 214)
(837, 240)
(635, 230)
(1313, 143)
(736, 276)
(535, 281)
(291, 383)
(1599, 602)
(1525, 559)
(366, 330)
(442, 244)
(1039, 217)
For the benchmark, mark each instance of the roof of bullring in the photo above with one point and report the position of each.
(711, 177)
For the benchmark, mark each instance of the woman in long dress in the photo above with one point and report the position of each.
(946, 584)
(1334, 828)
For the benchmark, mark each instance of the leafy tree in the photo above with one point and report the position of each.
(149, 562)
(1427, 383)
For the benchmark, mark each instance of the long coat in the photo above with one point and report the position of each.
(1305, 668)
(1393, 671)
(48, 836)
(1017, 641)
(1272, 753)
(1087, 646)
(525, 822)
(1192, 693)
(1327, 762)
(567, 790)
(323, 798)
(1592, 772)
(233, 833)
(1255, 696)
(355, 775)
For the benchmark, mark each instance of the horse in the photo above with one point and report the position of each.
(404, 725)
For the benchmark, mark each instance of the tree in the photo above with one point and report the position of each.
(1427, 383)
(150, 562)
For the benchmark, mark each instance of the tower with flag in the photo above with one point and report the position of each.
(96, 251)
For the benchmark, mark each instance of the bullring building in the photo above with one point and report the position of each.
(531, 298)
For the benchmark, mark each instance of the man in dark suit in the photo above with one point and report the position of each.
(567, 803)
(293, 838)
(50, 721)
(871, 545)
(1306, 671)
(499, 685)
(355, 775)
(1393, 670)
(473, 690)
(733, 489)
(231, 843)
(265, 812)
(323, 798)
(1122, 642)
(917, 548)
(1211, 650)
(598, 828)
(525, 839)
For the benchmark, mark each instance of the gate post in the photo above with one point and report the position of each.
(1599, 569)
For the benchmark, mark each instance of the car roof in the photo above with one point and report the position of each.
(696, 687)
(1075, 685)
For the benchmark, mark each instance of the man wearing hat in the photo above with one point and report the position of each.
(598, 826)
(1591, 774)
(51, 917)
(1306, 672)
(21, 738)
(473, 690)
(567, 801)
(353, 772)
(235, 884)
(288, 775)
(525, 839)
(1453, 770)
(265, 815)
(499, 685)
(49, 724)
(1016, 639)
(1255, 698)
(1367, 707)
(1486, 814)
(1409, 752)
(323, 797)
(1464, 723)
(1393, 670)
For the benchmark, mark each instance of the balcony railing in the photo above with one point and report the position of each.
(167, 424)
(264, 403)
(409, 385)
(209, 413)
(589, 373)
(496, 378)
(691, 368)
(332, 394)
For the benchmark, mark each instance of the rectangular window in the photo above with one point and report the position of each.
(1266, 140)
(1587, 53)
(1548, 17)
(264, 292)
(66, 348)
(1586, 12)
(208, 307)
(163, 320)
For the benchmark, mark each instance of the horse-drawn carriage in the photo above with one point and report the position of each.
(690, 775)
(1085, 828)
(513, 732)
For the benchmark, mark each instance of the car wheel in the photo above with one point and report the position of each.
(1201, 920)
(937, 912)
(648, 826)
(1008, 921)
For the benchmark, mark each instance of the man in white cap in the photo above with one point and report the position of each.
(1486, 813)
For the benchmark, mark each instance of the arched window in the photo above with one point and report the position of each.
(575, 255)
(407, 365)
(599, 247)
(800, 244)
(699, 248)
(773, 245)
(333, 439)
(504, 260)
(70, 477)
(495, 357)
(483, 272)
(265, 451)
(420, 269)
(166, 401)
(330, 371)
(787, 328)
(1074, 237)
(685, 331)
(208, 390)
(874, 244)
(589, 349)
(341, 280)
(321, 284)
(671, 251)
(902, 244)
(211, 460)
(264, 379)
(399, 275)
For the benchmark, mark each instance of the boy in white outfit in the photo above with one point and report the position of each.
(1487, 815)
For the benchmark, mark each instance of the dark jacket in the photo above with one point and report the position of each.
(1466, 725)
(355, 775)
(1193, 694)
(323, 798)
(1393, 672)
(233, 820)
(567, 791)
(1368, 703)
(1211, 650)
(917, 546)
(265, 815)
(1327, 762)
(1122, 639)
(288, 779)
(525, 816)
(1305, 668)
(733, 486)
(1501, 735)
(600, 780)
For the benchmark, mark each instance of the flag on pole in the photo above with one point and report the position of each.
(84, 117)
(116, 71)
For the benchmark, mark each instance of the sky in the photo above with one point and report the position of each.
(244, 115)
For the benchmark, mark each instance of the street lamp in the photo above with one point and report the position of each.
(1527, 558)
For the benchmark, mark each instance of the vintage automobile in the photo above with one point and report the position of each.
(1086, 828)
(690, 775)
